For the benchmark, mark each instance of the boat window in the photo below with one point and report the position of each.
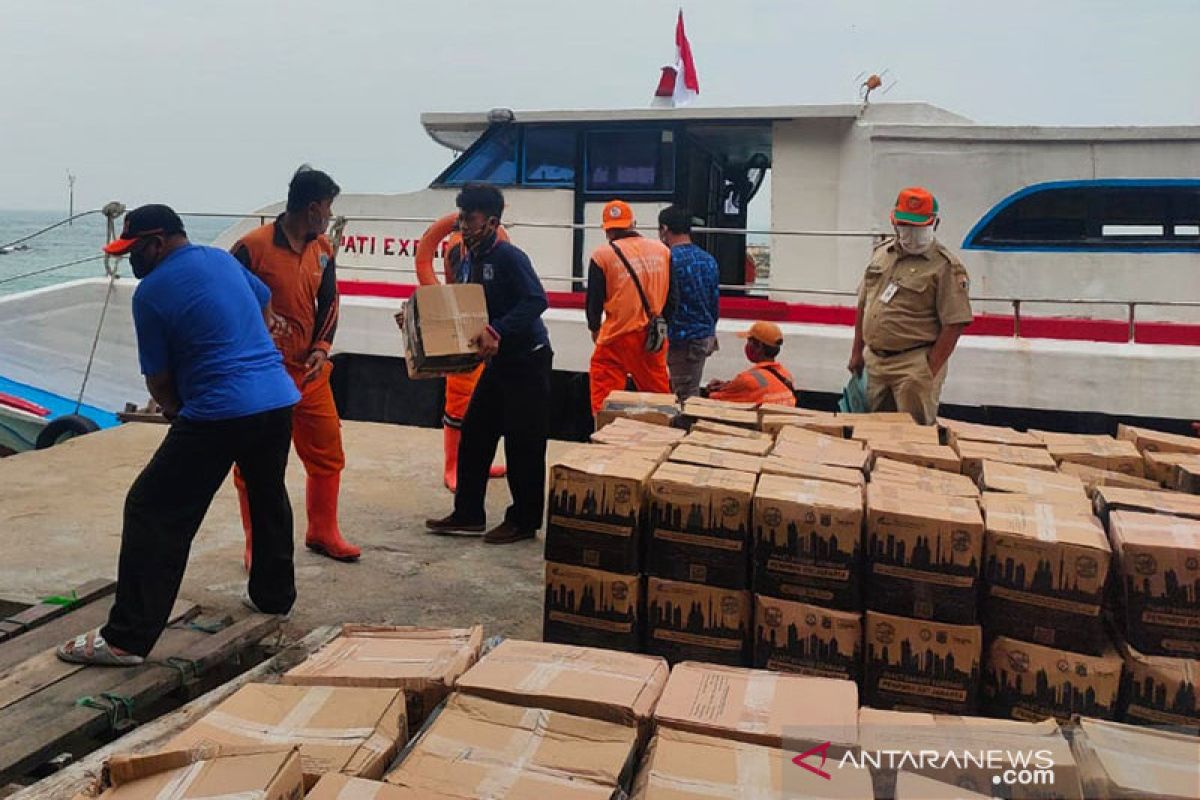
(549, 157)
(1102, 215)
(493, 159)
(630, 161)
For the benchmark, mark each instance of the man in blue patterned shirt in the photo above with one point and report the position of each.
(692, 330)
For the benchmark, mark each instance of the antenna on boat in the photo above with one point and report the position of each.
(70, 197)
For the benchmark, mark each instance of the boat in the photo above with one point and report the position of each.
(1081, 243)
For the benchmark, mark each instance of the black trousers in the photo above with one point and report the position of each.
(512, 399)
(167, 503)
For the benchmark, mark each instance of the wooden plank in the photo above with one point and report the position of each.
(79, 776)
(39, 614)
(46, 669)
(54, 633)
(52, 717)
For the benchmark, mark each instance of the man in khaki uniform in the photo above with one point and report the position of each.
(912, 307)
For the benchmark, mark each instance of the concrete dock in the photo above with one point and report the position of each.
(60, 525)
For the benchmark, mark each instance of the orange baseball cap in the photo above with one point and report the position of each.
(767, 333)
(915, 206)
(617, 214)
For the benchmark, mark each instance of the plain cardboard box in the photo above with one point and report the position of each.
(807, 639)
(1126, 762)
(650, 407)
(923, 454)
(718, 459)
(1161, 466)
(910, 786)
(923, 554)
(1158, 569)
(702, 403)
(1015, 744)
(479, 748)
(1160, 690)
(422, 662)
(588, 681)
(679, 765)
(792, 468)
(343, 787)
(1045, 571)
(696, 409)
(1093, 477)
(1030, 682)
(700, 524)
(439, 324)
(1066, 503)
(1113, 455)
(264, 773)
(877, 418)
(597, 508)
(808, 541)
(991, 434)
(1149, 441)
(758, 706)
(1186, 477)
(870, 432)
(802, 445)
(625, 432)
(998, 476)
(348, 729)
(912, 664)
(973, 454)
(827, 425)
(709, 426)
(693, 621)
(592, 608)
(922, 479)
(769, 409)
(735, 444)
(1107, 499)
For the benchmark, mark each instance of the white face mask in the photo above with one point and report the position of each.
(915, 239)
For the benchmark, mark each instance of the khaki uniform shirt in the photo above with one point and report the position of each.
(905, 300)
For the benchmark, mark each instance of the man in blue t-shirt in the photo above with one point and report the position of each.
(210, 363)
(692, 329)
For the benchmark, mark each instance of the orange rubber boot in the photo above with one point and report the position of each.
(450, 440)
(244, 505)
(323, 536)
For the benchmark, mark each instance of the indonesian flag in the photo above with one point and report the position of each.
(679, 84)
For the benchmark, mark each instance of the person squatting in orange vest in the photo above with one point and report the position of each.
(767, 381)
(615, 309)
(294, 258)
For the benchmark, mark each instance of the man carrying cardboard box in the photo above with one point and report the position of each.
(512, 397)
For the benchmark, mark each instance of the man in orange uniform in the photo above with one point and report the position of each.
(767, 381)
(615, 310)
(294, 259)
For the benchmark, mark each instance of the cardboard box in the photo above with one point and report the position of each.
(717, 459)
(597, 508)
(1045, 572)
(983, 749)
(1158, 566)
(1186, 478)
(931, 456)
(991, 434)
(1030, 682)
(998, 476)
(924, 553)
(922, 479)
(1113, 455)
(807, 639)
(771, 409)
(721, 428)
(878, 418)
(808, 541)
(1124, 762)
(735, 444)
(696, 409)
(1107, 499)
(973, 454)
(1148, 441)
(1048, 438)
(1159, 690)
(692, 621)
(592, 608)
(871, 432)
(827, 425)
(343, 787)
(265, 773)
(478, 748)
(1161, 467)
(650, 407)
(914, 664)
(588, 681)
(1065, 503)
(1093, 477)
(758, 707)
(352, 730)
(679, 765)
(700, 524)
(807, 446)
(439, 323)
(625, 432)
(791, 468)
(422, 662)
(910, 786)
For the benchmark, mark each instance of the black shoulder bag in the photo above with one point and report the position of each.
(656, 326)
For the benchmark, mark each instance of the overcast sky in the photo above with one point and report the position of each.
(210, 105)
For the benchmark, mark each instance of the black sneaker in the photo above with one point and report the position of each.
(507, 533)
(453, 524)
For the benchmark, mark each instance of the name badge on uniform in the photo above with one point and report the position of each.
(887, 294)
